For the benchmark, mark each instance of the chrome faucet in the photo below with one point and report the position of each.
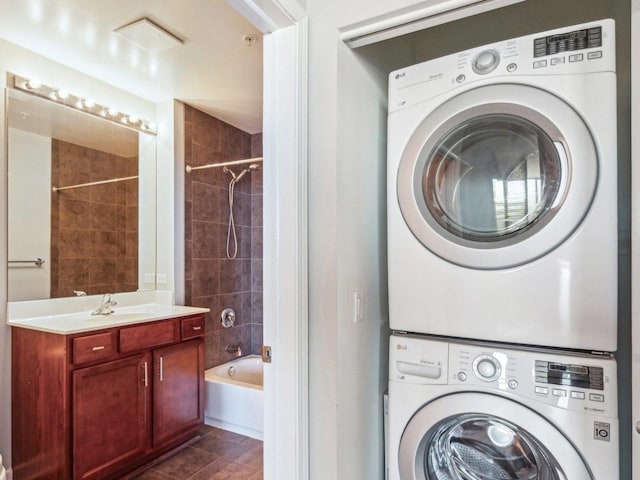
(235, 349)
(106, 306)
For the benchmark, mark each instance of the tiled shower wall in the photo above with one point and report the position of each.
(94, 229)
(211, 279)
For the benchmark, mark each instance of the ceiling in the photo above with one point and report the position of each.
(214, 70)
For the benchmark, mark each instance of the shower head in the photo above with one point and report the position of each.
(251, 168)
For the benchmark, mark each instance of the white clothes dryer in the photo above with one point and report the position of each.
(502, 192)
(463, 411)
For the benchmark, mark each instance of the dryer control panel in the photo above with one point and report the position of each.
(579, 49)
(570, 380)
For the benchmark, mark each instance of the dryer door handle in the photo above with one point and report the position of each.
(637, 427)
(564, 173)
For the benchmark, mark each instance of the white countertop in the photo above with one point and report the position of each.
(69, 322)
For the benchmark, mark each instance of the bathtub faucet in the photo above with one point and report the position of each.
(235, 349)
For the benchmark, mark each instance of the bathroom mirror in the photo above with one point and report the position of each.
(81, 202)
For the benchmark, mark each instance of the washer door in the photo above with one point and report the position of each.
(475, 436)
(497, 176)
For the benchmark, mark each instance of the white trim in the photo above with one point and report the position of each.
(285, 255)
(285, 249)
(269, 15)
(417, 17)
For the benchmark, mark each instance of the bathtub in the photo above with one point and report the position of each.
(234, 397)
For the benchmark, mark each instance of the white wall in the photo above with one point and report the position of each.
(347, 240)
(29, 215)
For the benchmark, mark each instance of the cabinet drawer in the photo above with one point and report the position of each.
(148, 335)
(92, 348)
(193, 327)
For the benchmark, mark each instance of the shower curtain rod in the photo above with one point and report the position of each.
(190, 169)
(91, 184)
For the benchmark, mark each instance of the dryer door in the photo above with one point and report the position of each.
(475, 436)
(497, 176)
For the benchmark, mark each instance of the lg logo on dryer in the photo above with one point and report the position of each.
(601, 431)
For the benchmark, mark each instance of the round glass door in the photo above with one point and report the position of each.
(482, 436)
(491, 178)
(480, 447)
(497, 176)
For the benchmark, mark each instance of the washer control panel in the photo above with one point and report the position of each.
(568, 380)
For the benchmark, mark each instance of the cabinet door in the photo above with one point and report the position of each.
(110, 415)
(178, 390)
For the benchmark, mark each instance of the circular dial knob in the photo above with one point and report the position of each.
(487, 368)
(486, 62)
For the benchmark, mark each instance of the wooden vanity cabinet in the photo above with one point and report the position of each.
(97, 405)
(110, 416)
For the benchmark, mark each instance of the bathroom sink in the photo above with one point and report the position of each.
(84, 321)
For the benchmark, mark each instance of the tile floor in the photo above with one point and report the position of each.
(218, 455)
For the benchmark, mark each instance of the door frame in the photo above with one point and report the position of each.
(285, 249)
(635, 246)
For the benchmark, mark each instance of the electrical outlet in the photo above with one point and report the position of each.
(162, 279)
(149, 278)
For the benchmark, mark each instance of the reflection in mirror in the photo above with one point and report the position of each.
(81, 199)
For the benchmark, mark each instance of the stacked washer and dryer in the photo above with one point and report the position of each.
(502, 247)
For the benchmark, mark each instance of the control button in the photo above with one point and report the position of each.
(542, 390)
(487, 368)
(558, 392)
(557, 60)
(540, 51)
(460, 78)
(462, 376)
(486, 62)
(594, 55)
(576, 58)
(512, 67)
(596, 397)
(513, 384)
(577, 395)
(539, 64)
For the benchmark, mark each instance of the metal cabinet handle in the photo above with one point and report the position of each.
(99, 347)
(638, 427)
(197, 328)
(146, 375)
(160, 368)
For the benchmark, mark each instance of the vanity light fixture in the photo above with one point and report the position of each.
(63, 97)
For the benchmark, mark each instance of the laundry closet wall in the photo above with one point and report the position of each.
(211, 279)
(347, 112)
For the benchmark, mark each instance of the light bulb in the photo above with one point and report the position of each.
(34, 83)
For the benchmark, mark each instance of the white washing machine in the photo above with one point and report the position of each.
(469, 411)
(502, 192)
